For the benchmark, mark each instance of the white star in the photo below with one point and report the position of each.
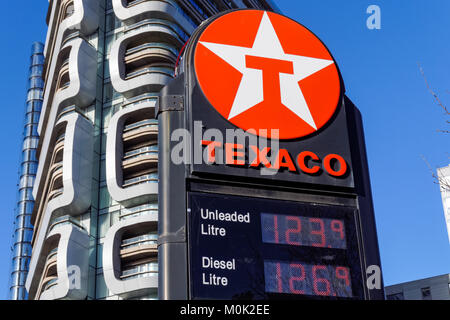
(250, 91)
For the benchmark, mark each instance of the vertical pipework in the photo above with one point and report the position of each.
(23, 230)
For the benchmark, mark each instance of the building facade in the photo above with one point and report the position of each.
(444, 183)
(23, 230)
(434, 288)
(96, 188)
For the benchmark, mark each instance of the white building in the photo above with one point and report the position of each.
(444, 181)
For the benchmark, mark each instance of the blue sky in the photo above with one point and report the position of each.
(381, 74)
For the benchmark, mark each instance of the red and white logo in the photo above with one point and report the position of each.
(263, 71)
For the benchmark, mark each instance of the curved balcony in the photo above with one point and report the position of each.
(166, 70)
(170, 27)
(140, 133)
(144, 209)
(63, 77)
(58, 148)
(144, 270)
(49, 273)
(142, 240)
(51, 283)
(64, 220)
(57, 166)
(139, 163)
(131, 271)
(156, 54)
(143, 98)
(52, 254)
(67, 110)
(48, 283)
(71, 36)
(148, 123)
(147, 67)
(134, 10)
(148, 178)
(139, 248)
(55, 193)
(128, 166)
(152, 45)
(52, 224)
(150, 150)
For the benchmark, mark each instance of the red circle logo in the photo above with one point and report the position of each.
(263, 71)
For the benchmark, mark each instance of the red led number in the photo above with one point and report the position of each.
(343, 274)
(295, 231)
(317, 280)
(338, 227)
(293, 279)
(320, 232)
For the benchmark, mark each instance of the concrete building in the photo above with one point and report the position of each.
(444, 182)
(434, 288)
(23, 230)
(95, 215)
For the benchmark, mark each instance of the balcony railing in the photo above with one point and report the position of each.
(146, 239)
(150, 150)
(56, 166)
(60, 138)
(64, 220)
(135, 2)
(64, 63)
(146, 97)
(182, 35)
(148, 178)
(52, 253)
(154, 45)
(71, 36)
(65, 85)
(164, 70)
(51, 283)
(141, 124)
(144, 270)
(171, 2)
(138, 211)
(55, 193)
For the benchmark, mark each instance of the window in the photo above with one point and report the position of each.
(395, 296)
(426, 293)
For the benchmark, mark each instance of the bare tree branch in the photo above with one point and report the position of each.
(439, 102)
(443, 183)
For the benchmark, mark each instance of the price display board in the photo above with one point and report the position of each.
(255, 248)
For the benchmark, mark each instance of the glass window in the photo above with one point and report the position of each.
(101, 290)
(107, 92)
(103, 170)
(37, 59)
(36, 70)
(106, 73)
(112, 22)
(103, 224)
(105, 199)
(108, 43)
(100, 256)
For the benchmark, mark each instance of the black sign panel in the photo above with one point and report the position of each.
(252, 248)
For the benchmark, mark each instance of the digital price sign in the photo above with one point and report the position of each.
(303, 231)
(254, 248)
(307, 279)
